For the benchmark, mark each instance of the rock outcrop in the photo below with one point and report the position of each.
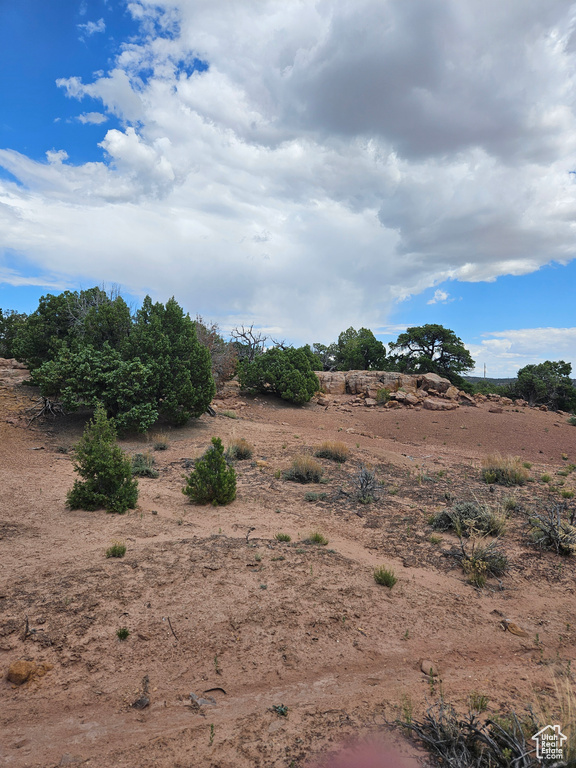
(12, 372)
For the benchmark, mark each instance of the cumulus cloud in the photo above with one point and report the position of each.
(325, 161)
(92, 118)
(92, 27)
(440, 297)
(505, 352)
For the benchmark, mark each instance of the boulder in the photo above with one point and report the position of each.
(521, 403)
(433, 381)
(466, 399)
(332, 382)
(370, 401)
(452, 393)
(19, 671)
(435, 404)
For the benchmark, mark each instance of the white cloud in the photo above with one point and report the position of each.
(92, 27)
(440, 297)
(333, 159)
(505, 352)
(56, 156)
(92, 118)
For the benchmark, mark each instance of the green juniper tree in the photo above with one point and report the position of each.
(106, 473)
(212, 481)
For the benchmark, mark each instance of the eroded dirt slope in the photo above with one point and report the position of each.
(215, 605)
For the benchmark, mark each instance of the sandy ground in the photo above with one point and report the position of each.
(216, 606)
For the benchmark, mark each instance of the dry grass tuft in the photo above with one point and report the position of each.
(504, 470)
(304, 469)
(333, 450)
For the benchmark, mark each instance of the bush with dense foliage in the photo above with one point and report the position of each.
(10, 324)
(547, 383)
(283, 372)
(139, 369)
(106, 473)
(212, 481)
(466, 518)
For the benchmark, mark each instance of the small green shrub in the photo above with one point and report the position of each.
(466, 518)
(505, 470)
(567, 493)
(240, 450)
(554, 529)
(316, 538)
(122, 633)
(477, 702)
(229, 414)
(510, 504)
(366, 486)
(384, 577)
(162, 442)
(313, 496)
(482, 560)
(107, 473)
(546, 478)
(283, 537)
(333, 450)
(382, 395)
(62, 449)
(527, 465)
(116, 550)
(212, 481)
(572, 421)
(304, 469)
(143, 465)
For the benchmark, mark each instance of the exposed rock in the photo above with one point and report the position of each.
(435, 404)
(496, 409)
(429, 668)
(452, 392)
(360, 382)
(370, 401)
(466, 399)
(323, 401)
(543, 408)
(521, 403)
(506, 401)
(435, 382)
(332, 382)
(19, 671)
(10, 362)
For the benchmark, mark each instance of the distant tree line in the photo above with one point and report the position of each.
(87, 347)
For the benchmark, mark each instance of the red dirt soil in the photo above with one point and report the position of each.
(216, 606)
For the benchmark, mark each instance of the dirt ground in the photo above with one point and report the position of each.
(217, 607)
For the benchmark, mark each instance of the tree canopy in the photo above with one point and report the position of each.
(85, 348)
(432, 349)
(547, 383)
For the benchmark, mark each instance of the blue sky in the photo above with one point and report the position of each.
(301, 166)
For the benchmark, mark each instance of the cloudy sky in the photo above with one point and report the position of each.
(304, 165)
